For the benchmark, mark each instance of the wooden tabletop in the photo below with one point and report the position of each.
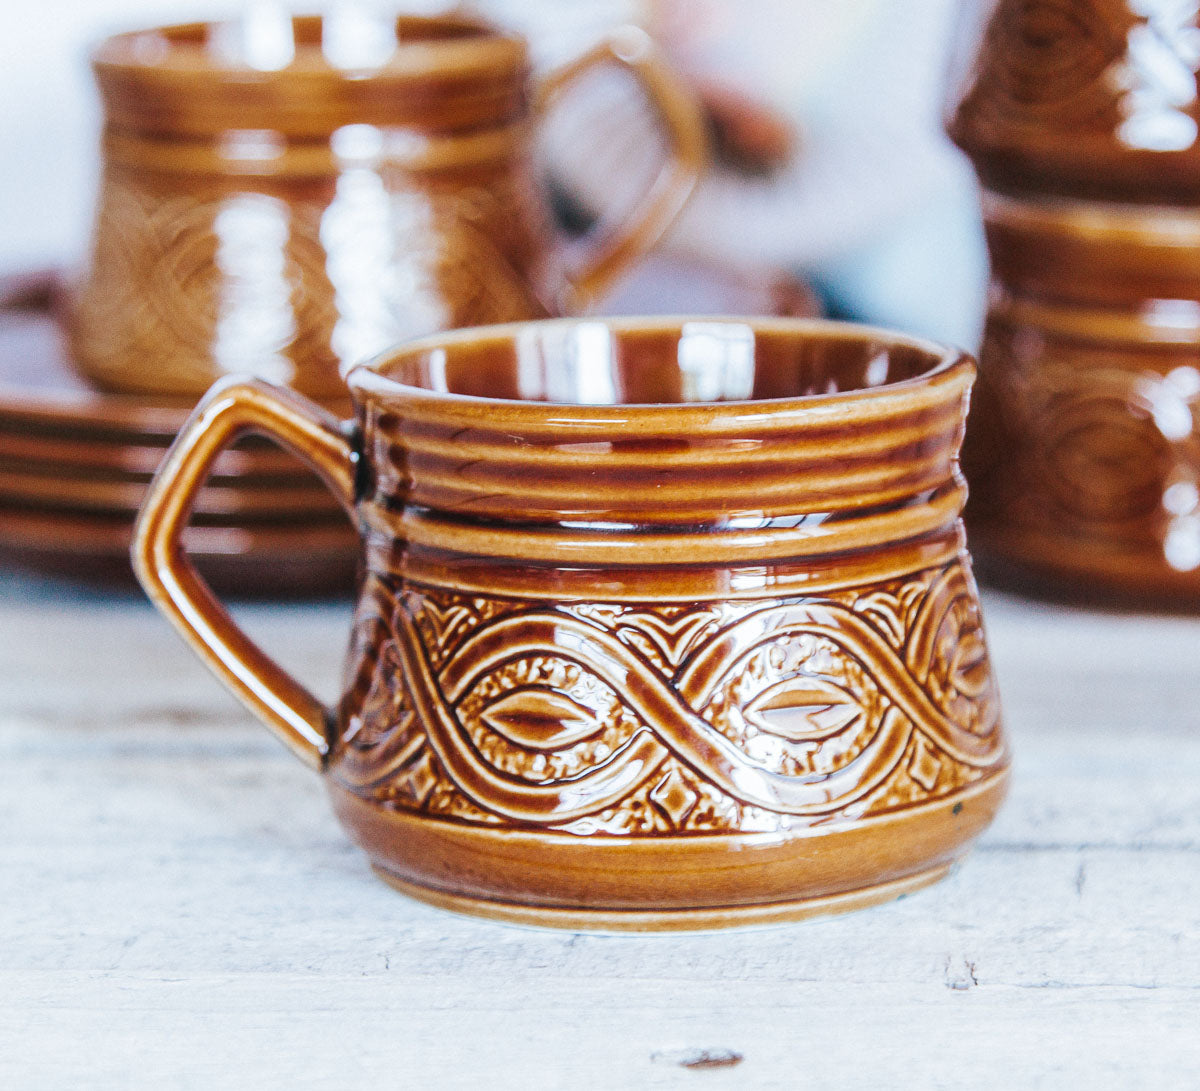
(178, 907)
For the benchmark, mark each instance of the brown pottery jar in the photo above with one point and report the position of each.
(285, 216)
(1083, 453)
(662, 623)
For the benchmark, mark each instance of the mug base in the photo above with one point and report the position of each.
(665, 920)
(663, 883)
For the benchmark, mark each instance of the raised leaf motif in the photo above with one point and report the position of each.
(969, 670)
(540, 719)
(803, 708)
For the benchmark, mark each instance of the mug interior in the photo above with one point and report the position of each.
(604, 363)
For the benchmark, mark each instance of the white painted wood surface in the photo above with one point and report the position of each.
(179, 909)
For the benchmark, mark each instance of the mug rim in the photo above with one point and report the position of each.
(183, 91)
(489, 49)
(366, 377)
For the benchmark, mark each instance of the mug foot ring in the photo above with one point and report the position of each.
(666, 920)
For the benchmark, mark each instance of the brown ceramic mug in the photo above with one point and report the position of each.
(1081, 121)
(662, 623)
(287, 221)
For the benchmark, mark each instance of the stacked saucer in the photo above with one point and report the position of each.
(75, 463)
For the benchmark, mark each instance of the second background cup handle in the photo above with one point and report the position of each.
(682, 119)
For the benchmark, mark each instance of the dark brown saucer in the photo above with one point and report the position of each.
(54, 486)
(75, 465)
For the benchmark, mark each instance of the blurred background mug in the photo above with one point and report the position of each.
(1082, 121)
(283, 197)
(662, 623)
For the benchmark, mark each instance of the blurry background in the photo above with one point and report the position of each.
(838, 168)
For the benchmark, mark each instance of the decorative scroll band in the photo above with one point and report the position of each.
(714, 716)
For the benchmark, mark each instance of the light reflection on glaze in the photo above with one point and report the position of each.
(566, 364)
(255, 319)
(262, 38)
(1171, 400)
(1157, 76)
(356, 37)
(716, 361)
(242, 146)
(381, 286)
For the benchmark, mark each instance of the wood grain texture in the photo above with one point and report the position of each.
(179, 909)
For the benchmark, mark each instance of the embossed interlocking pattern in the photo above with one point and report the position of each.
(1088, 443)
(633, 719)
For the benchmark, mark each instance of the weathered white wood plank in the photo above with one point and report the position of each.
(177, 906)
(553, 1033)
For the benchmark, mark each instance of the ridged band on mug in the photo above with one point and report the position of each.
(1093, 253)
(255, 153)
(685, 583)
(811, 535)
(670, 483)
(809, 473)
(446, 73)
(1157, 323)
(779, 470)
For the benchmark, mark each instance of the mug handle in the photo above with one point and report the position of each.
(683, 123)
(230, 410)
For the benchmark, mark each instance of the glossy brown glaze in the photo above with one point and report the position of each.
(289, 219)
(1082, 120)
(662, 624)
(265, 561)
(46, 486)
